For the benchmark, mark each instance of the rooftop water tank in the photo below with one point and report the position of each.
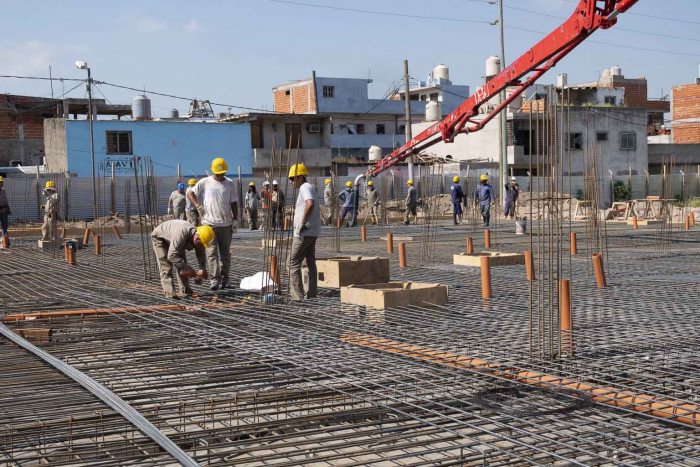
(606, 73)
(141, 108)
(493, 66)
(562, 80)
(433, 113)
(174, 113)
(441, 72)
(616, 71)
(375, 153)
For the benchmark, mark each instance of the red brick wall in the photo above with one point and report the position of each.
(686, 105)
(299, 102)
(9, 127)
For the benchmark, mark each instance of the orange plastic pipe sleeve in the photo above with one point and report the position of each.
(574, 246)
(599, 271)
(364, 233)
(402, 255)
(529, 266)
(470, 246)
(487, 238)
(390, 243)
(485, 277)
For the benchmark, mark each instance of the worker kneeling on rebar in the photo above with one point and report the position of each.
(171, 240)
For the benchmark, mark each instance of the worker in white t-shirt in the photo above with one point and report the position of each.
(307, 228)
(219, 209)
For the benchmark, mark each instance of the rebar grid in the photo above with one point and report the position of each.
(274, 384)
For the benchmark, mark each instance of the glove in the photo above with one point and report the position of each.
(188, 271)
(168, 211)
(234, 226)
(201, 211)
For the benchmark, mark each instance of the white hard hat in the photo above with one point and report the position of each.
(266, 182)
(513, 179)
(274, 182)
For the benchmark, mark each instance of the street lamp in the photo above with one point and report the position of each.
(84, 66)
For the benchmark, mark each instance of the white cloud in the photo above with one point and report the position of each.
(28, 58)
(148, 25)
(192, 26)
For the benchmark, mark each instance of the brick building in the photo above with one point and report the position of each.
(22, 124)
(686, 113)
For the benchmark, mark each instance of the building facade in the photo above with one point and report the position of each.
(192, 145)
(686, 113)
(358, 122)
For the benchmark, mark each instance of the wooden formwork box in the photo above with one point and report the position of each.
(342, 271)
(395, 294)
(285, 243)
(496, 259)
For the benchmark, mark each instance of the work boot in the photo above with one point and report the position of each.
(224, 284)
(189, 292)
(214, 284)
(172, 297)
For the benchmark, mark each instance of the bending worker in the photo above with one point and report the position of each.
(484, 196)
(307, 228)
(347, 197)
(329, 200)
(457, 200)
(190, 211)
(411, 204)
(251, 206)
(512, 193)
(219, 210)
(373, 201)
(178, 201)
(171, 240)
(48, 230)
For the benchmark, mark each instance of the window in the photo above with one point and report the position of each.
(434, 97)
(575, 140)
(601, 136)
(424, 97)
(381, 129)
(360, 128)
(402, 129)
(611, 100)
(256, 136)
(119, 142)
(287, 92)
(352, 129)
(328, 91)
(415, 97)
(628, 141)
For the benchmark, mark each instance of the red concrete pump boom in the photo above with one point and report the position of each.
(589, 16)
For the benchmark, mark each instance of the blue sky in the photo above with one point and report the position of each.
(234, 52)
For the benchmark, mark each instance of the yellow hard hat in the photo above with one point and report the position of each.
(410, 182)
(252, 184)
(370, 183)
(328, 180)
(348, 184)
(456, 179)
(50, 184)
(192, 182)
(297, 169)
(2, 179)
(218, 166)
(483, 177)
(206, 235)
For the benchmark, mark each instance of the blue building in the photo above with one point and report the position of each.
(192, 144)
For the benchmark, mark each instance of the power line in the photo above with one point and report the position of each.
(41, 78)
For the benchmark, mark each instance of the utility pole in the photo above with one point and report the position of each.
(503, 116)
(92, 147)
(409, 133)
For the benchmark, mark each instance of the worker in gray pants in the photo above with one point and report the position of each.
(178, 201)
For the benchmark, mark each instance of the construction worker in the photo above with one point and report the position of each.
(512, 193)
(219, 210)
(457, 199)
(48, 230)
(373, 201)
(484, 196)
(265, 201)
(277, 201)
(411, 203)
(329, 200)
(171, 240)
(307, 228)
(251, 206)
(5, 210)
(347, 197)
(190, 211)
(178, 201)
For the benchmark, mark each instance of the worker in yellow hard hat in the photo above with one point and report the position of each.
(49, 231)
(219, 210)
(307, 228)
(252, 200)
(347, 197)
(484, 197)
(373, 201)
(330, 210)
(191, 213)
(171, 240)
(411, 204)
(457, 200)
(5, 210)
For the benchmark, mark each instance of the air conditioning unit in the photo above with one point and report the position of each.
(313, 128)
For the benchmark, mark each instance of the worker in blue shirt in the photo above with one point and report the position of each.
(512, 193)
(484, 196)
(347, 197)
(457, 199)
